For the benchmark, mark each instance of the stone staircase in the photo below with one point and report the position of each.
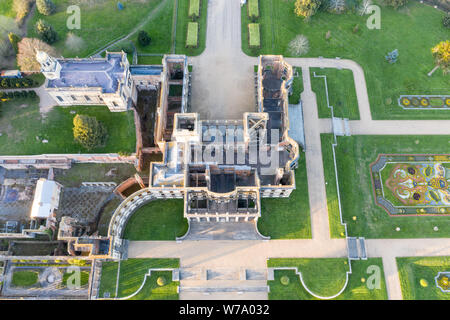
(341, 127)
(209, 281)
(356, 248)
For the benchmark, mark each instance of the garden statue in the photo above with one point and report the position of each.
(392, 57)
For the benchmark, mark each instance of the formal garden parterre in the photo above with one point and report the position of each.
(412, 184)
(363, 216)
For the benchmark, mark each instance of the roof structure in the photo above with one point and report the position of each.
(104, 74)
(46, 198)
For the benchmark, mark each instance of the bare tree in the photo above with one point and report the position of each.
(74, 43)
(299, 45)
(364, 7)
(336, 6)
(26, 57)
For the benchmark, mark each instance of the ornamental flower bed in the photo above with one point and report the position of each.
(424, 102)
(443, 281)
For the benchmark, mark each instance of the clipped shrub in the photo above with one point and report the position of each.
(254, 37)
(424, 283)
(143, 38)
(161, 281)
(192, 35)
(284, 280)
(253, 9)
(194, 9)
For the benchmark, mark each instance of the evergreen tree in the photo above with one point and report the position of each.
(143, 38)
(46, 31)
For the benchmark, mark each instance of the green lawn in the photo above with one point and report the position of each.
(101, 22)
(22, 125)
(150, 60)
(326, 277)
(24, 278)
(412, 270)
(253, 9)
(288, 218)
(337, 230)
(94, 172)
(341, 93)
(354, 155)
(413, 30)
(182, 29)
(84, 278)
(297, 87)
(132, 274)
(157, 220)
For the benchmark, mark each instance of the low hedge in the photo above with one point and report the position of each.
(194, 9)
(13, 83)
(192, 35)
(17, 94)
(254, 39)
(253, 9)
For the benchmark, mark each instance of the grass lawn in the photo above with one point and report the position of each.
(160, 29)
(108, 279)
(157, 220)
(297, 87)
(101, 22)
(288, 218)
(337, 230)
(341, 92)
(413, 30)
(84, 278)
(132, 274)
(94, 172)
(24, 278)
(150, 60)
(412, 270)
(182, 28)
(325, 277)
(22, 125)
(354, 155)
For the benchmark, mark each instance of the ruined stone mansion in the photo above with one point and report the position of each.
(221, 168)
